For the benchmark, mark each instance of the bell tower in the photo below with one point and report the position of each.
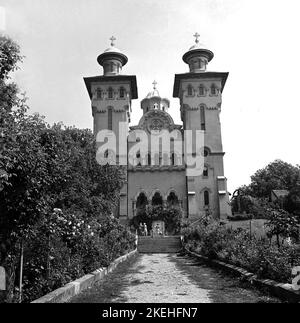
(200, 95)
(111, 95)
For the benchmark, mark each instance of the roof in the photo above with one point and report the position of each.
(115, 78)
(280, 193)
(199, 76)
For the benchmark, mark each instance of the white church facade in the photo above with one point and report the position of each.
(163, 178)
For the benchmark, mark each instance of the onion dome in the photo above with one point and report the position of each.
(112, 60)
(153, 101)
(154, 92)
(198, 56)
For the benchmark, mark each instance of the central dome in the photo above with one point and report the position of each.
(153, 101)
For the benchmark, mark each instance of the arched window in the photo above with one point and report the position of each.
(110, 93)
(190, 90)
(149, 159)
(109, 119)
(213, 90)
(206, 198)
(172, 199)
(205, 171)
(157, 199)
(99, 93)
(201, 90)
(122, 92)
(202, 117)
(141, 201)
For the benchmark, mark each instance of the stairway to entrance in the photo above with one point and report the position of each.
(165, 244)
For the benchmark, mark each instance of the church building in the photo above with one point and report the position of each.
(159, 177)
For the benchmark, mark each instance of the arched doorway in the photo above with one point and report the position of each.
(157, 199)
(158, 227)
(172, 199)
(141, 201)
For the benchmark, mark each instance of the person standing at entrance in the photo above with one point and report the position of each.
(145, 229)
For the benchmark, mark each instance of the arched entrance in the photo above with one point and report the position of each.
(158, 227)
(157, 199)
(141, 201)
(172, 199)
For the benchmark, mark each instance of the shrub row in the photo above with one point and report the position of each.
(73, 250)
(237, 247)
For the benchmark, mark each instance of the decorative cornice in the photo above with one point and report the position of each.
(205, 75)
(108, 79)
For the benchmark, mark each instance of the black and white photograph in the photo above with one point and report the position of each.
(149, 155)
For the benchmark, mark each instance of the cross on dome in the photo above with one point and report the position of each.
(196, 37)
(112, 38)
(154, 85)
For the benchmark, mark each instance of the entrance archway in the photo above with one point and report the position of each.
(172, 199)
(141, 201)
(157, 199)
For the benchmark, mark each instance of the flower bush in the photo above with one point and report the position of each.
(73, 249)
(238, 248)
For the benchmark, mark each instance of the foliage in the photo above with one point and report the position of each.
(73, 249)
(277, 175)
(237, 247)
(283, 224)
(43, 168)
(171, 215)
(248, 207)
(10, 56)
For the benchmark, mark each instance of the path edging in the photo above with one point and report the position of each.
(283, 291)
(73, 288)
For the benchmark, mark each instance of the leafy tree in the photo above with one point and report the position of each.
(43, 167)
(282, 224)
(276, 175)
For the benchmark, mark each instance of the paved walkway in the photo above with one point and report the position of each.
(164, 278)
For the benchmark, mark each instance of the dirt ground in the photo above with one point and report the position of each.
(169, 278)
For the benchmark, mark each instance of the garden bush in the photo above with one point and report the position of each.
(239, 248)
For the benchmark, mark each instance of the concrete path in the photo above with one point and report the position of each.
(164, 278)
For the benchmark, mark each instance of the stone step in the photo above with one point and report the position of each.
(170, 244)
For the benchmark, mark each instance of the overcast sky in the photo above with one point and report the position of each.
(256, 41)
